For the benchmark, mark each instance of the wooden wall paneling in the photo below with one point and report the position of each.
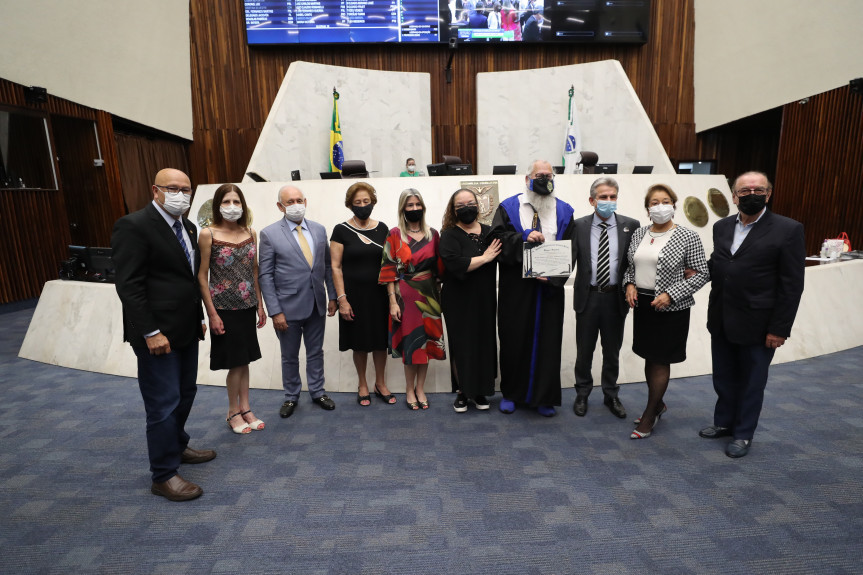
(234, 85)
(115, 206)
(35, 237)
(819, 169)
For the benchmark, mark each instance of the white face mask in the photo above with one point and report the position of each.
(412, 168)
(176, 203)
(661, 213)
(231, 213)
(295, 212)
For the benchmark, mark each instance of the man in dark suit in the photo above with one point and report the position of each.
(154, 252)
(757, 270)
(533, 27)
(295, 276)
(599, 248)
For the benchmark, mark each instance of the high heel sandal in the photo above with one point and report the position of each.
(257, 425)
(240, 429)
(637, 420)
(388, 399)
(412, 405)
(362, 398)
(645, 434)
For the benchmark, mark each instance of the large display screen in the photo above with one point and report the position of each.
(444, 21)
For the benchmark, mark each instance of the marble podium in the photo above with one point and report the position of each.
(78, 325)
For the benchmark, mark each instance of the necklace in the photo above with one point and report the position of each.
(415, 231)
(357, 223)
(658, 235)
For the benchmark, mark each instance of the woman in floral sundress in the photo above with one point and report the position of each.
(228, 278)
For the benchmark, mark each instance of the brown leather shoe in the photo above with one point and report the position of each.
(194, 456)
(177, 489)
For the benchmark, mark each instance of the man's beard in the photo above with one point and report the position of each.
(542, 204)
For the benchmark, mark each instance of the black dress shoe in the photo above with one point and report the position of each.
(325, 402)
(287, 408)
(580, 405)
(195, 456)
(714, 432)
(176, 489)
(738, 448)
(614, 406)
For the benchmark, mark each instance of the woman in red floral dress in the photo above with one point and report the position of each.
(411, 269)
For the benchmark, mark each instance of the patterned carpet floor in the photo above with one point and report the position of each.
(386, 490)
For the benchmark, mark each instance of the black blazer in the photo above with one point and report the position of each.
(153, 279)
(757, 290)
(581, 254)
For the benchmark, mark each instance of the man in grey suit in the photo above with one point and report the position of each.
(599, 246)
(295, 278)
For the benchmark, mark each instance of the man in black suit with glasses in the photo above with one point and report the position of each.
(154, 252)
(756, 270)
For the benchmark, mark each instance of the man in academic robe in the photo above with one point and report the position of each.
(530, 310)
(756, 272)
(154, 253)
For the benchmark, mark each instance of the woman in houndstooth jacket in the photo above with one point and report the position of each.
(666, 266)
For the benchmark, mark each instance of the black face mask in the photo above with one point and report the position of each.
(467, 214)
(362, 212)
(751, 204)
(414, 216)
(542, 185)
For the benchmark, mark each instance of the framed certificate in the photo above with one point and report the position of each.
(549, 259)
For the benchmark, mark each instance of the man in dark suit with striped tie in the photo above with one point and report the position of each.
(599, 247)
(154, 252)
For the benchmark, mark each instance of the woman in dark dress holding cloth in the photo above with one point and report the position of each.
(355, 247)
(468, 300)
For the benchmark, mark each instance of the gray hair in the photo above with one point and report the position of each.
(750, 173)
(603, 181)
(533, 164)
(286, 186)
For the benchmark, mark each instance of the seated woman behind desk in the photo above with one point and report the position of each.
(410, 169)
(228, 278)
(666, 266)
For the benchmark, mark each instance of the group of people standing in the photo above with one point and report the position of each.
(394, 287)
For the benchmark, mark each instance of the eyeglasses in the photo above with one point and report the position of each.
(467, 205)
(743, 192)
(542, 175)
(174, 190)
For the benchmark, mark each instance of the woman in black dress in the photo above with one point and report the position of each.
(468, 300)
(355, 247)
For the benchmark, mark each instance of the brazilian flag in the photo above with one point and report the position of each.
(337, 154)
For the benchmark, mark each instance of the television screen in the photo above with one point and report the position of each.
(442, 21)
(606, 168)
(331, 175)
(502, 170)
(642, 169)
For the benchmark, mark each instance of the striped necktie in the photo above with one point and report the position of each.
(603, 270)
(178, 229)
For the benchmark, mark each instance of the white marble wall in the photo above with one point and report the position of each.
(385, 118)
(79, 325)
(522, 116)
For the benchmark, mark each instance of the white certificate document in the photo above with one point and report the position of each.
(549, 259)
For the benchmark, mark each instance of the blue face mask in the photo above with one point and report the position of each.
(605, 208)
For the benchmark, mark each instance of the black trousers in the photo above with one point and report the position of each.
(601, 318)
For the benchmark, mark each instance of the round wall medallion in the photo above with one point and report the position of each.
(717, 202)
(696, 211)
